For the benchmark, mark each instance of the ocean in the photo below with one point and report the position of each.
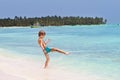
(94, 49)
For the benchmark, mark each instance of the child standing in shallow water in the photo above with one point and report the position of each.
(46, 49)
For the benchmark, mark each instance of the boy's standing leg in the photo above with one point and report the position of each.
(47, 60)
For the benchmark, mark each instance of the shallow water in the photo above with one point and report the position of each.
(94, 49)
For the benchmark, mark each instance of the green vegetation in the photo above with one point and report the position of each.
(51, 21)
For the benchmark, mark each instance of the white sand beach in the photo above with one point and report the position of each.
(14, 68)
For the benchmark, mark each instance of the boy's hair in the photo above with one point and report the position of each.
(41, 32)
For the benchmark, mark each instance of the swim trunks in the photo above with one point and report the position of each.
(47, 49)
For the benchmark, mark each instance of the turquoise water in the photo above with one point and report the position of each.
(94, 49)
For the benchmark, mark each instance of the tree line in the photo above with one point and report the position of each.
(51, 21)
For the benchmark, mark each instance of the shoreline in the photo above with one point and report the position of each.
(14, 68)
(58, 26)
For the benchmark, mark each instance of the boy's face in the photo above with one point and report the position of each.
(42, 36)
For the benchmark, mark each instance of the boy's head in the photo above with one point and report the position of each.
(41, 33)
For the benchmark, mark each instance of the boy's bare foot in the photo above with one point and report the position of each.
(67, 53)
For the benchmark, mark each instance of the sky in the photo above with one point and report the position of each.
(108, 9)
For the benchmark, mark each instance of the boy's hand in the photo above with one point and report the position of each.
(44, 51)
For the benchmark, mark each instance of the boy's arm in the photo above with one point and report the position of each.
(40, 43)
(48, 40)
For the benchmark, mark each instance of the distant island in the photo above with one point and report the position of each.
(51, 21)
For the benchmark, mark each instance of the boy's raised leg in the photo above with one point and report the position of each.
(60, 51)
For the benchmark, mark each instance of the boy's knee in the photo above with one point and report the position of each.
(48, 60)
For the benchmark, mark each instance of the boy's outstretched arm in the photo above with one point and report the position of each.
(48, 40)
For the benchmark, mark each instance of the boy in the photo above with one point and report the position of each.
(46, 49)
